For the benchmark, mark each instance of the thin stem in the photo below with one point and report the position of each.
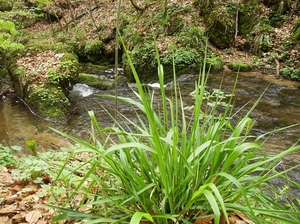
(116, 59)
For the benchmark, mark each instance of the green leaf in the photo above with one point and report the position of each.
(137, 217)
(16, 148)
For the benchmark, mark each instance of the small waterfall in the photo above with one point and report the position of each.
(84, 90)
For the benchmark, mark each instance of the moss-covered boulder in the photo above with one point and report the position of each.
(42, 74)
(99, 82)
(220, 35)
(240, 66)
(180, 40)
(95, 81)
(6, 5)
(220, 26)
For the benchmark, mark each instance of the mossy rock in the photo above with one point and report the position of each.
(240, 66)
(48, 102)
(97, 67)
(220, 35)
(95, 81)
(142, 56)
(6, 5)
(145, 63)
(93, 49)
(44, 70)
(186, 51)
(220, 29)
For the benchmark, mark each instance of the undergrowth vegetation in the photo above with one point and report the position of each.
(174, 164)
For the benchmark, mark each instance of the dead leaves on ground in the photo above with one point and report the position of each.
(37, 65)
(236, 217)
(20, 202)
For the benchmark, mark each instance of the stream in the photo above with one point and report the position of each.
(278, 108)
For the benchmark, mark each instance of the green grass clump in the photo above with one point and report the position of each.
(175, 164)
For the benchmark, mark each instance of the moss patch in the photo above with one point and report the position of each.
(240, 66)
(95, 81)
(48, 102)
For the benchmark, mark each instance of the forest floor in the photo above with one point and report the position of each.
(22, 202)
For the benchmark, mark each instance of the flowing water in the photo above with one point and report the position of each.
(279, 107)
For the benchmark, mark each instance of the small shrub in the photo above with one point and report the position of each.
(291, 73)
(214, 62)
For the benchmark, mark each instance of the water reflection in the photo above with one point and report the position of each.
(19, 124)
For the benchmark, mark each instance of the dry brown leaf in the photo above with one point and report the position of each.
(18, 218)
(5, 219)
(12, 199)
(42, 222)
(17, 188)
(240, 222)
(243, 217)
(10, 209)
(207, 220)
(33, 216)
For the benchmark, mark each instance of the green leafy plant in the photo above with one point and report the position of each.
(31, 144)
(173, 165)
(43, 164)
(7, 158)
(7, 32)
(262, 39)
(214, 62)
(290, 73)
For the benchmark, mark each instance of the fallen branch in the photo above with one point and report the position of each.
(136, 6)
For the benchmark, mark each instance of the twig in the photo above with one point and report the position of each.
(277, 68)
(273, 168)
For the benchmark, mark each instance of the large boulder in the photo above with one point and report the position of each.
(220, 26)
(6, 5)
(42, 74)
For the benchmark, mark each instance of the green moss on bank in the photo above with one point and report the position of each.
(42, 73)
(48, 102)
(95, 81)
(240, 66)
